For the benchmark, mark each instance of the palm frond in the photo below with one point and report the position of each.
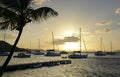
(4, 25)
(27, 12)
(10, 24)
(16, 4)
(42, 13)
(6, 14)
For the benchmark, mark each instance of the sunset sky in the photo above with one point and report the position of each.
(96, 18)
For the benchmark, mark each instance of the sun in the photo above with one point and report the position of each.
(69, 33)
(70, 46)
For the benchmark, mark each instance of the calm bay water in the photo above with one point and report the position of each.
(108, 66)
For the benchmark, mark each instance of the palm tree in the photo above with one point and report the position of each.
(15, 14)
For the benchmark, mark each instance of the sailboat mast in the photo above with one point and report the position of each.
(80, 38)
(53, 41)
(30, 46)
(111, 46)
(39, 44)
(101, 44)
(85, 45)
(57, 46)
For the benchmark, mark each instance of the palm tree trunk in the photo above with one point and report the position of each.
(11, 53)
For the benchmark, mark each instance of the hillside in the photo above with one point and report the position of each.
(5, 47)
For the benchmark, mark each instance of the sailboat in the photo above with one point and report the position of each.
(30, 49)
(111, 52)
(52, 52)
(100, 53)
(78, 55)
(38, 52)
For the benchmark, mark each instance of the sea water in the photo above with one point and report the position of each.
(93, 66)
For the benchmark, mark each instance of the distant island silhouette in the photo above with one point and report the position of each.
(5, 47)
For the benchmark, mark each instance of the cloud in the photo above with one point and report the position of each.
(59, 41)
(39, 1)
(71, 39)
(117, 11)
(105, 30)
(67, 39)
(103, 23)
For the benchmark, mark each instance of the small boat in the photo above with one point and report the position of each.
(110, 53)
(52, 53)
(78, 54)
(63, 52)
(100, 53)
(22, 55)
(29, 52)
(4, 53)
(38, 53)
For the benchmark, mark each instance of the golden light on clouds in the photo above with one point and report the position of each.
(39, 1)
(117, 11)
(103, 23)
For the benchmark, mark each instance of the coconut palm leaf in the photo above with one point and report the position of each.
(16, 4)
(42, 13)
(6, 14)
(7, 18)
(8, 25)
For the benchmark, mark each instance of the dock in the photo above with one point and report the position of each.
(36, 65)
